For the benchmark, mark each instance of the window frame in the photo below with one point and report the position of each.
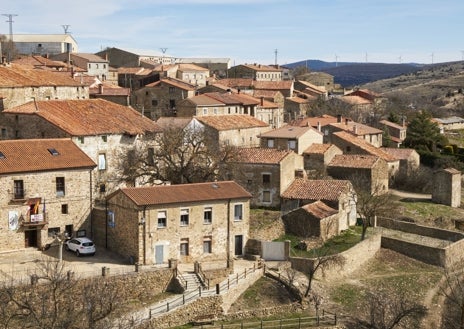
(184, 217)
(18, 189)
(162, 219)
(184, 247)
(102, 163)
(238, 217)
(60, 184)
(208, 210)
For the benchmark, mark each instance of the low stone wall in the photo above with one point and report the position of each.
(263, 312)
(204, 307)
(354, 258)
(432, 232)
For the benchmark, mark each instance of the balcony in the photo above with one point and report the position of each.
(34, 220)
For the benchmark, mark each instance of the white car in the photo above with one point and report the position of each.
(81, 246)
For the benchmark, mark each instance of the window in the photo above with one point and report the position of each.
(348, 149)
(205, 111)
(162, 219)
(270, 143)
(104, 138)
(207, 245)
(238, 212)
(18, 189)
(184, 247)
(80, 139)
(154, 102)
(172, 90)
(208, 215)
(64, 208)
(184, 217)
(292, 145)
(102, 188)
(266, 178)
(2, 156)
(215, 111)
(60, 186)
(3, 132)
(53, 151)
(267, 196)
(102, 161)
(53, 231)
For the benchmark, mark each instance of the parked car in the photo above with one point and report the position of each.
(81, 246)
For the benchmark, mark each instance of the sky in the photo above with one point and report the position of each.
(254, 31)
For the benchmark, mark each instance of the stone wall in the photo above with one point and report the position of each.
(426, 254)
(354, 258)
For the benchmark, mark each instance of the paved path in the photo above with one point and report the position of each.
(410, 195)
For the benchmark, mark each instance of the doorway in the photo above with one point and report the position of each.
(238, 245)
(159, 254)
(30, 238)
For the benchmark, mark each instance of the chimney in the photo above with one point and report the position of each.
(72, 72)
(339, 118)
(300, 173)
(346, 121)
(100, 88)
(355, 129)
(262, 100)
(238, 91)
(318, 126)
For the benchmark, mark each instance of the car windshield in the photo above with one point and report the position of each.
(87, 244)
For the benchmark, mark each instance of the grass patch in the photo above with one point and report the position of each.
(348, 296)
(335, 245)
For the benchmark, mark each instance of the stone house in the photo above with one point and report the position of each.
(289, 137)
(265, 173)
(104, 130)
(46, 189)
(367, 170)
(350, 144)
(44, 44)
(312, 220)
(256, 72)
(336, 194)
(20, 84)
(92, 64)
(317, 156)
(136, 77)
(40, 62)
(447, 187)
(396, 132)
(409, 159)
(296, 107)
(449, 123)
(217, 66)
(162, 97)
(308, 88)
(192, 74)
(187, 222)
(368, 133)
(133, 58)
(320, 79)
(110, 92)
(239, 130)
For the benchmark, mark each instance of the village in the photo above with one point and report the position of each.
(161, 161)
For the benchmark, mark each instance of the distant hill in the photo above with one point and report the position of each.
(350, 74)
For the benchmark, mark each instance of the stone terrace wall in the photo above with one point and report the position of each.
(419, 229)
(354, 257)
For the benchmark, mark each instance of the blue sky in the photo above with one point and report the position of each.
(249, 31)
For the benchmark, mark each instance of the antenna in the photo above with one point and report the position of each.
(366, 56)
(399, 59)
(163, 50)
(10, 43)
(66, 28)
(432, 57)
(336, 60)
(275, 56)
(462, 55)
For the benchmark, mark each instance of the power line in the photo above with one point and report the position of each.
(10, 43)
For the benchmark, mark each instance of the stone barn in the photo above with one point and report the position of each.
(447, 187)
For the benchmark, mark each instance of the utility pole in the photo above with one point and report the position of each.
(336, 60)
(275, 56)
(462, 55)
(10, 41)
(432, 57)
(366, 57)
(399, 59)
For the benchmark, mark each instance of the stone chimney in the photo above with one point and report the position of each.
(300, 173)
(355, 129)
(262, 101)
(346, 121)
(339, 118)
(100, 88)
(318, 126)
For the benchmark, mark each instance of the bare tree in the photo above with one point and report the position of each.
(180, 156)
(453, 291)
(371, 201)
(388, 310)
(321, 261)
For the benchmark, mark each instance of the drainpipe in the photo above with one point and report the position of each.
(91, 196)
(144, 224)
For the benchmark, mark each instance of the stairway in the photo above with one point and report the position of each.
(193, 281)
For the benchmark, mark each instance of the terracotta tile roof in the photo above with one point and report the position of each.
(24, 76)
(231, 122)
(354, 161)
(134, 70)
(317, 148)
(360, 128)
(233, 99)
(88, 117)
(321, 189)
(365, 146)
(399, 153)
(324, 120)
(392, 124)
(452, 171)
(39, 61)
(90, 57)
(236, 82)
(191, 67)
(355, 100)
(204, 100)
(32, 155)
(273, 85)
(312, 87)
(261, 155)
(288, 132)
(185, 193)
(173, 82)
(298, 100)
(109, 90)
(319, 210)
(260, 67)
(173, 122)
(304, 95)
(265, 93)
